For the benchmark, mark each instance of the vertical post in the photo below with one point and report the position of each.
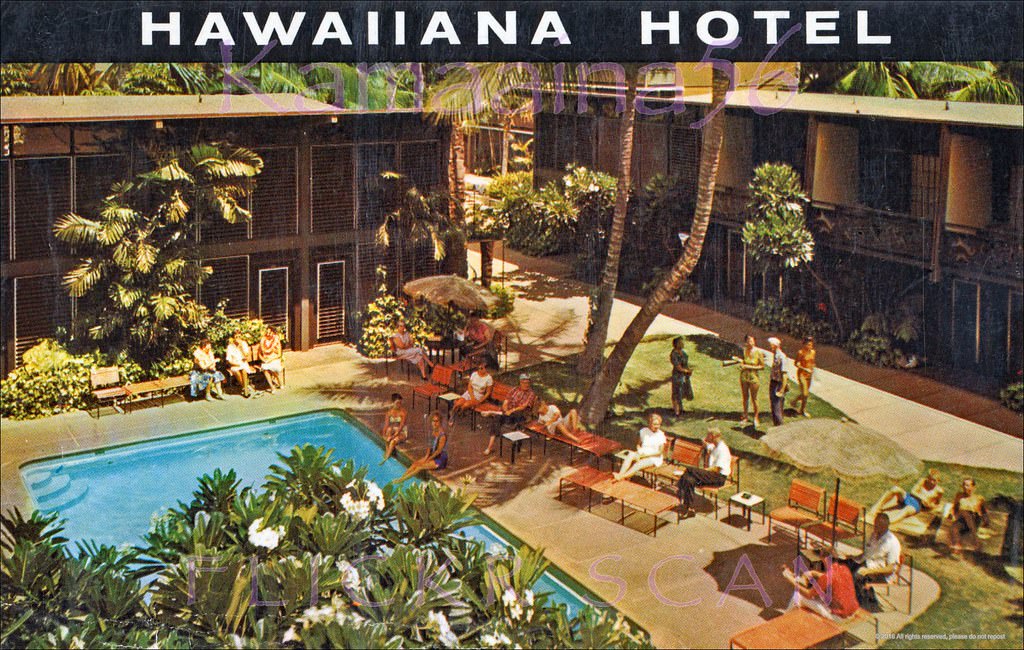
(304, 299)
(939, 218)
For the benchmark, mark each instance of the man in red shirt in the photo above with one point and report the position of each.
(828, 593)
(515, 410)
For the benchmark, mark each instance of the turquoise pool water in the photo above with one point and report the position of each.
(110, 496)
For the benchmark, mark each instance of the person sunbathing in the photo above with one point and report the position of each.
(926, 495)
(551, 418)
(436, 456)
(395, 430)
(969, 514)
(648, 452)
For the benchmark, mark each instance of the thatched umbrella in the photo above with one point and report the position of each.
(850, 449)
(450, 291)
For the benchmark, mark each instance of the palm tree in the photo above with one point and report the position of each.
(419, 218)
(71, 78)
(973, 81)
(601, 306)
(599, 394)
(138, 266)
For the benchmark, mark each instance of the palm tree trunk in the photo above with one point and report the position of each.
(455, 260)
(506, 132)
(601, 305)
(599, 394)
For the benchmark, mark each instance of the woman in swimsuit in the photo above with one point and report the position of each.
(395, 430)
(436, 456)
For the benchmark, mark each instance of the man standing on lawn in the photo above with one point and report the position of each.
(777, 385)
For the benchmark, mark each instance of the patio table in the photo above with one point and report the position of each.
(797, 628)
(516, 438)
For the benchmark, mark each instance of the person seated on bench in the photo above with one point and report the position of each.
(436, 456)
(475, 337)
(395, 428)
(514, 410)
(926, 495)
(478, 390)
(648, 452)
(567, 426)
(829, 593)
(969, 514)
(718, 463)
(205, 377)
(237, 355)
(271, 358)
(407, 350)
(878, 562)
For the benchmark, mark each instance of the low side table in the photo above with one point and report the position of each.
(747, 502)
(515, 437)
(449, 399)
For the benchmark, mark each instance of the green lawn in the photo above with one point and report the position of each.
(977, 596)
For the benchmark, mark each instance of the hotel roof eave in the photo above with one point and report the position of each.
(140, 108)
(914, 110)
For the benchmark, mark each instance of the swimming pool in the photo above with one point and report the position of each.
(133, 483)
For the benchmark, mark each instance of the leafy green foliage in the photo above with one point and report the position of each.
(773, 316)
(557, 218)
(319, 556)
(886, 339)
(1012, 396)
(139, 262)
(506, 301)
(419, 218)
(776, 232)
(382, 316)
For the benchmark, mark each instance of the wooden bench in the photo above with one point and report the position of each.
(847, 523)
(156, 389)
(595, 445)
(805, 505)
(636, 496)
(492, 405)
(441, 378)
(106, 387)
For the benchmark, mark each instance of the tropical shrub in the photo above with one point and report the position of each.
(1012, 396)
(506, 301)
(138, 265)
(382, 316)
(773, 316)
(885, 340)
(338, 561)
(53, 380)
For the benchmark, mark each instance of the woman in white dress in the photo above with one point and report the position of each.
(407, 350)
(648, 452)
(478, 389)
(271, 358)
(237, 355)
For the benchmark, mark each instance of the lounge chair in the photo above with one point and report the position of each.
(440, 382)
(106, 388)
(636, 496)
(847, 523)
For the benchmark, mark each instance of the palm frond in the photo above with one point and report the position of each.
(81, 279)
(74, 229)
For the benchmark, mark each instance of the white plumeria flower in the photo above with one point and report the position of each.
(268, 538)
(515, 611)
(528, 597)
(438, 621)
(509, 596)
(375, 495)
(335, 470)
(290, 635)
(349, 575)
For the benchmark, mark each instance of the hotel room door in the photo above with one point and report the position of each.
(330, 301)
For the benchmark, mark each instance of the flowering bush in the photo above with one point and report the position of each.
(380, 319)
(342, 561)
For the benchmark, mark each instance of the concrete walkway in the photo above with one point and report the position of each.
(551, 313)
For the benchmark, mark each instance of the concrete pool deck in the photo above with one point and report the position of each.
(660, 576)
